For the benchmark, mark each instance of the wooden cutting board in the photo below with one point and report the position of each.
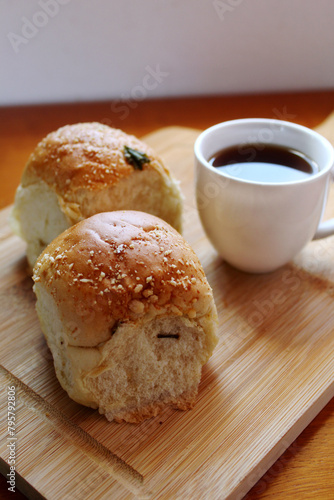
(271, 373)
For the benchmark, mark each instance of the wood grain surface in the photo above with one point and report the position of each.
(305, 469)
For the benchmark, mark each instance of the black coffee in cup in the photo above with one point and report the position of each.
(264, 163)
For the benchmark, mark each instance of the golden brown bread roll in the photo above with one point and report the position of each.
(83, 169)
(128, 314)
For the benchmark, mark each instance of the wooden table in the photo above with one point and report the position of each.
(305, 470)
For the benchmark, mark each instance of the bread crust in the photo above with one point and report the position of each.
(85, 156)
(121, 266)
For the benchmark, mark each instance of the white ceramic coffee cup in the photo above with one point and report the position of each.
(260, 226)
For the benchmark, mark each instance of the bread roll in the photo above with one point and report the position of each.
(127, 313)
(84, 169)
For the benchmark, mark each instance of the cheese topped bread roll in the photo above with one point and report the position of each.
(87, 168)
(128, 314)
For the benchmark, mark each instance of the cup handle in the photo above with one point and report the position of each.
(325, 229)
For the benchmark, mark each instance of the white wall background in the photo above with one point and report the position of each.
(71, 50)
